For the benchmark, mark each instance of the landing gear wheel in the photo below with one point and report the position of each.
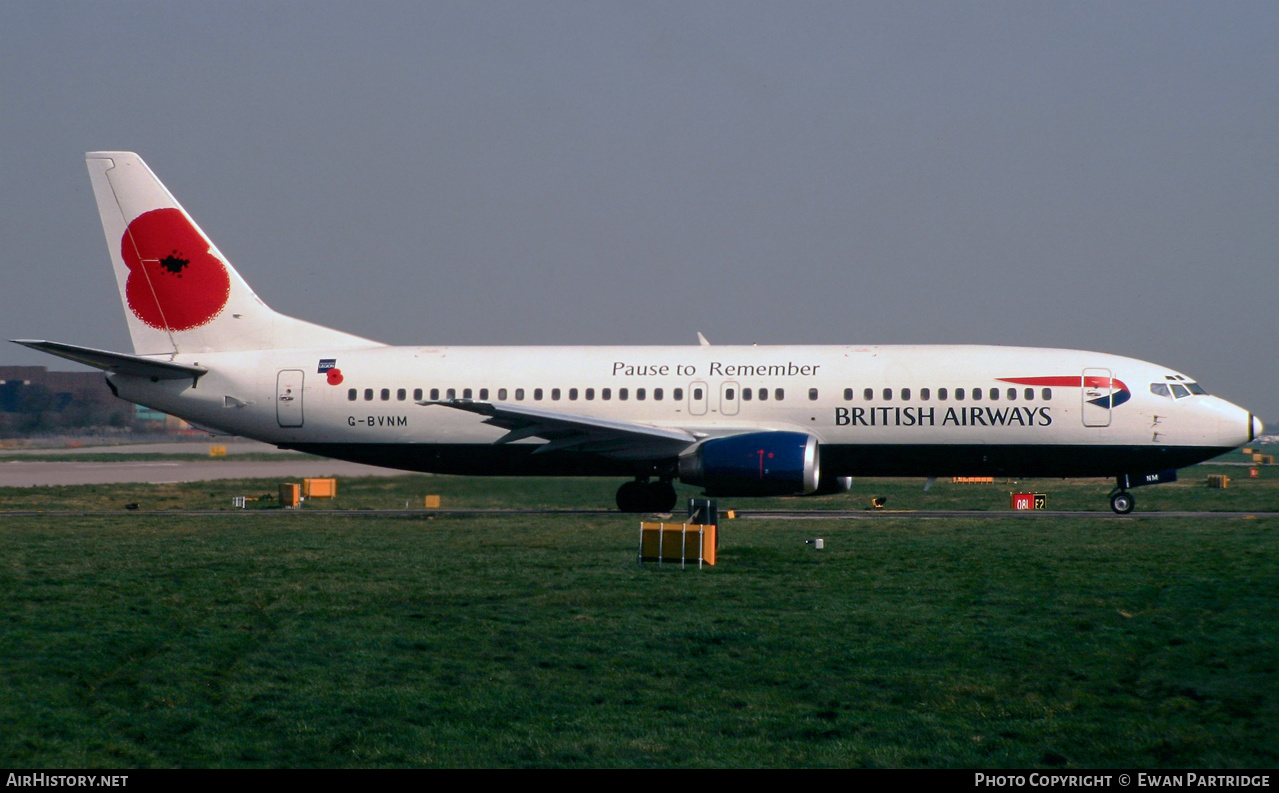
(662, 496)
(644, 496)
(1122, 503)
(630, 497)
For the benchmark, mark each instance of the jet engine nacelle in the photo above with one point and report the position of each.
(755, 464)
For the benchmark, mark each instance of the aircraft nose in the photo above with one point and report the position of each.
(1235, 425)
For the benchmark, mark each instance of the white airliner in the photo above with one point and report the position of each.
(783, 420)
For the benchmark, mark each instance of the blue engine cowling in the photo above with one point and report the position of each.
(756, 464)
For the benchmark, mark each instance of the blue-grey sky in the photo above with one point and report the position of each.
(1087, 175)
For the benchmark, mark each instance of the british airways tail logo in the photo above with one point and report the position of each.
(1118, 395)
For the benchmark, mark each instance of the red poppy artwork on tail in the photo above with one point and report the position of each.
(174, 283)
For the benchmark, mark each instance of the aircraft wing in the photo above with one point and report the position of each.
(117, 362)
(617, 439)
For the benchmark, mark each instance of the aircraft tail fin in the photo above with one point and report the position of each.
(180, 294)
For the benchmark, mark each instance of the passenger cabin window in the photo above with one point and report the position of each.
(484, 393)
(623, 394)
(657, 394)
(888, 394)
(435, 394)
(401, 394)
(959, 394)
(848, 394)
(351, 394)
(905, 394)
(590, 393)
(812, 394)
(1046, 394)
(368, 394)
(678, 395)
(501, 394)
(868, 394)
(417, 395)
(537, 394)
(941, 394)
(976, 393)
(386, 394)
(779, 394)
(555, 393)
(1030, 394)
(519, 395)
(746, 394)
(451, 393)
(639, 393)
(924, 394)
(763, 394)
(466, 393)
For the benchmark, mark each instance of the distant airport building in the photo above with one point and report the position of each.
(151, 419)
(34, 399)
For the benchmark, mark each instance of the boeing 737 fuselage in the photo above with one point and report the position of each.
(780, 420)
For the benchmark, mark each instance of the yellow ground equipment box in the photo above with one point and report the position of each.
(432, 502)
(1218, 480)
(972, 480)
(217, 451)
(319, 488)
(678, 542)
(290, 495)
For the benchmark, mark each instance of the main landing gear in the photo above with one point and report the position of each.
(645, 496)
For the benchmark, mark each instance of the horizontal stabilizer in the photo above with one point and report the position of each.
(117, 362)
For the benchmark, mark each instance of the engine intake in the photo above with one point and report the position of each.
(755, 464)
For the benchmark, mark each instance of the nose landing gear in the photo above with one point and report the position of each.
(1122, 502)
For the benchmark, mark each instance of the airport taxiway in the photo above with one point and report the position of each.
(18, 472)
(15, 471)
(811, 515)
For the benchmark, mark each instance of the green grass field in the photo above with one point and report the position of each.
(335, 639)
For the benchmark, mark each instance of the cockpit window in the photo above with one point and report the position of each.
(1176, 390)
